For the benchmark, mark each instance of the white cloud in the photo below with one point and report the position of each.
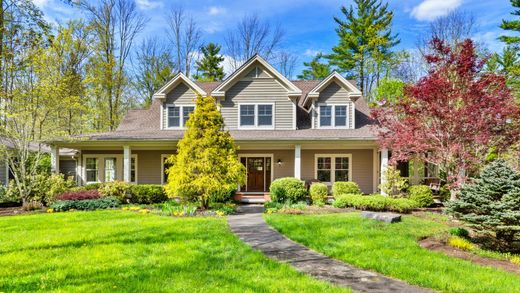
(148, 4)
(228, 64)
(311, 52)
(431, 9)
(215, 10)
(40, 3)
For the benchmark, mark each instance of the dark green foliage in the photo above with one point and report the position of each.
(512, 25)
(491, 204)
(345, 187)
(147, 194)
(375, 203)
(315, 69)
(421, 194)
(461, 232)
(86, 205)
(287, 189)
(318, 193)
(209, 68)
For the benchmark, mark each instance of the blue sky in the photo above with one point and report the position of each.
(308, 25)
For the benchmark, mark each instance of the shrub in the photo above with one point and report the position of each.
(117, 189)
(227, 208)
(345, 187)
(318, 193)
(147, 194)
(491, 203)
(78, 195)
(92, 186)
(421, 194)
(394, 184)
(86, 205)
(460, 243)
(173, 208)
(287, 189)
(458, 231)
(45, 187)
(375, 203)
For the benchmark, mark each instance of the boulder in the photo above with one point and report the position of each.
(384, 217)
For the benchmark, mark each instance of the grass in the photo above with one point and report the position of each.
(105, 251)
(392, 250)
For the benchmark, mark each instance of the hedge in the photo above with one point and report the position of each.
(287, 189)
(345, 187)
(85, 205)
(375, 203)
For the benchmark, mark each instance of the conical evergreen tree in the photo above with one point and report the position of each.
(315, 69)
(492, 203)
(206, 167)
(209, 68)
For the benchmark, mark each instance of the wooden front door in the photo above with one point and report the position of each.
(255, 174)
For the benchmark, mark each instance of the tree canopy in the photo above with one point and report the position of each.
(209, 68)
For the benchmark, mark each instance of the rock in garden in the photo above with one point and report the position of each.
(384, 217)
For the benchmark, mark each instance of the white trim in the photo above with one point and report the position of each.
(298, 161)
(178, 78)
(181, 114)
(353, 94)
(256, 126)
(383, 168)
(353, 114)
(258, 156)
(333, 116)
(101, 167)
(295, 115)
(313, 114)
(162, 166)
(333, 165)
(127, 163)
(220, 91)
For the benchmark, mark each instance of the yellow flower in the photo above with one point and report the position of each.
(50, 210)
(125, 208)
(220, 213)
(144, 211)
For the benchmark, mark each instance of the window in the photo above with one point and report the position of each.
(333, 116)
(332, 168)
(110, 169)
(92, 170)
(132, 169)
(186, 111)
(256, 115)
(165, 166)
(340, 116)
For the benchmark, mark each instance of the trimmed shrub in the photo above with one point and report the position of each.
(345, 187)
(92, 186)
(394, 184)
(86, 205)
(375, 203)
(117, 189)
(421, 194)
(78, 195)
(318, 193)
(147, 194)
(287, 189)
(461, 232)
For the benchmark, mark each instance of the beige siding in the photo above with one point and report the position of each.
(180, 95)
(362, 166)
(258, 90)
(334, 94)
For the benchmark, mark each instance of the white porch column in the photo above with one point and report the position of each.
(127, 163)
(55, 159)
(298, 161)
(384, 166)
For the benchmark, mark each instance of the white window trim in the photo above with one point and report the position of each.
(333, 165)
(333, 116)
(101, 167)
(256, 126)
(257, 156)
(163, 156)
(181, 114)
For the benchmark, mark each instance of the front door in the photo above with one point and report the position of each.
(255, 174)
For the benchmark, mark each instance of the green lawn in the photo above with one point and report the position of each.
(125, 251)
(391, 249)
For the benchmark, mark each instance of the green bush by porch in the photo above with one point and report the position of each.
(288, 189)
(345, 187)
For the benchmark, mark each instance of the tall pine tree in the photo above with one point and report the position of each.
(315, 69)
(365, 41)
(206, 167)
(209, 68)
(512, 25)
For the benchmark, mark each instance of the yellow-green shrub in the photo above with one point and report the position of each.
(318, 192)
(460, 243)
(345, 187)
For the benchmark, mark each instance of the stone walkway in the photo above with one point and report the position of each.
(250, 226)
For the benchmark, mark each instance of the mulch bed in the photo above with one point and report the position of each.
(437, 245)
(13, 211)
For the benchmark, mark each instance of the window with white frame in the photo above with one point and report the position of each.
(178, 115)
(133, 168)
(333, 116)
(110, 169)
(256, 115)
(92, 169)
(332, 168)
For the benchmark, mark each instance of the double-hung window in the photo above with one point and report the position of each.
(256, 115)
(110, 169)
(92, 169)
(179, 115)
(332, 168)
(333, 116)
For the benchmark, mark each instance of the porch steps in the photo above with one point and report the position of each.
(246, 197)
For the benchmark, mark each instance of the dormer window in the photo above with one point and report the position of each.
(333, 116)
(175, 119)
(256, 115)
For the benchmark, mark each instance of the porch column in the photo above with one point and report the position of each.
(298, 161)
(127, 163)
(55, 159)
(384, 166)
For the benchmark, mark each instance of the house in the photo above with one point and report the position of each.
(312, 130)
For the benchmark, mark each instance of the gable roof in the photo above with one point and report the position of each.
(354, 92)
(219, 91)
(178, 78)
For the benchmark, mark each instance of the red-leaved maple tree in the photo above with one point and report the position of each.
(453, 116)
